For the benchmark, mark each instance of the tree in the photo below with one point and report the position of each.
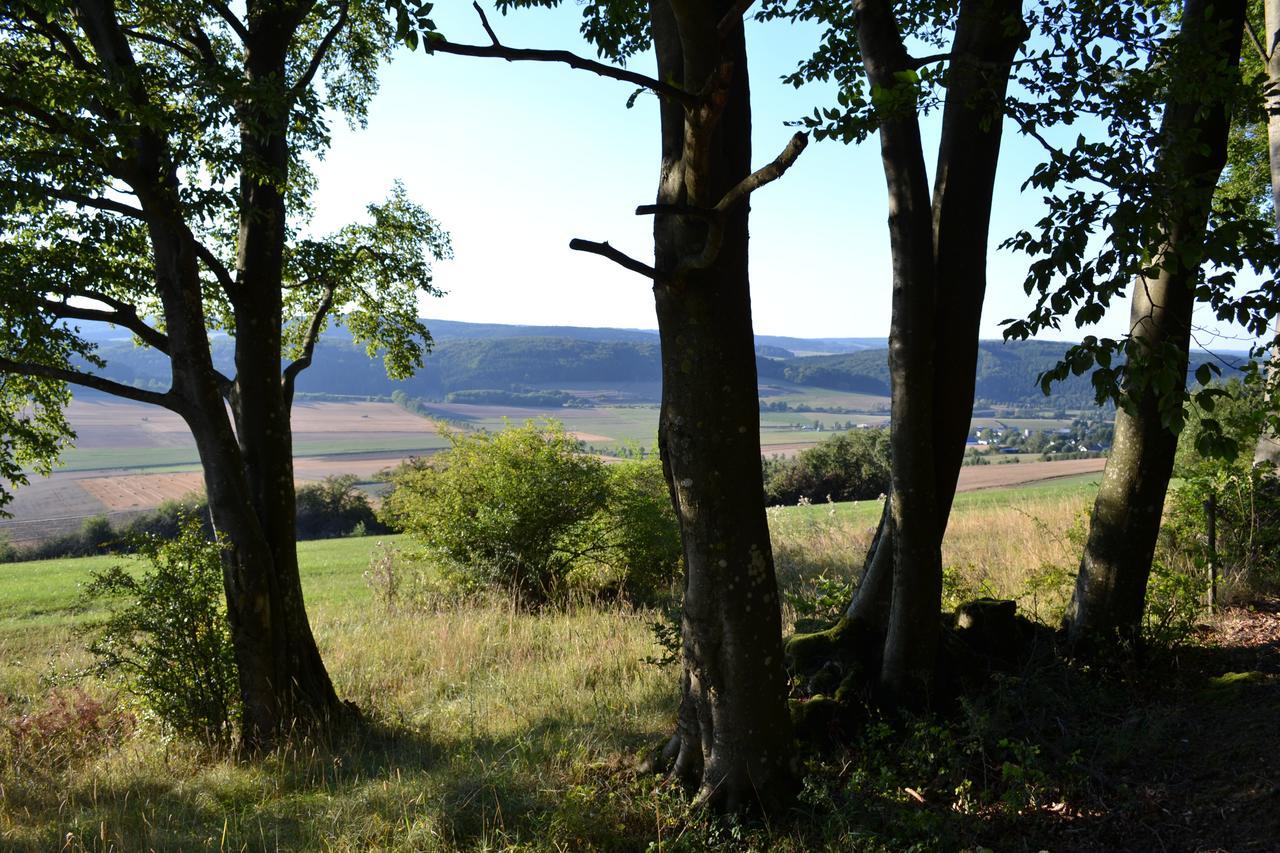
(153, 175)
(1264, 52)
(733, 740)
(939, 250)
(1157, 203)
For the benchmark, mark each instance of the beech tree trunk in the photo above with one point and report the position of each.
(939, 282)
(1267, 450)
(1111, 585)
(288, 684)
(733, 744)
(248, 467)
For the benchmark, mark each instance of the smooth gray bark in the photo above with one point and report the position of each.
(1111, 586)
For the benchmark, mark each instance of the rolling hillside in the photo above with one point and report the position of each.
(471, 357)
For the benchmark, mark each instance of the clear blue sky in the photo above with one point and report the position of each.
(515, 159)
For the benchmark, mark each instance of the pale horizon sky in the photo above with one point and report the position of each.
(516, 159)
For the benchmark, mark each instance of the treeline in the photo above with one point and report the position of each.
(851, 466)
(332, 508)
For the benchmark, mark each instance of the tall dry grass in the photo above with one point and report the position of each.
(482, 720)
(1026, 550)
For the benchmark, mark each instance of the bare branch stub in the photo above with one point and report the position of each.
(676, 210)
(766, 174)
(619, 258)
(732, 17)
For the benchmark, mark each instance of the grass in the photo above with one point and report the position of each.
(482, 715)
(495, 729)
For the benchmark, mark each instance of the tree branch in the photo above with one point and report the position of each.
(607, 251)
(512, 54)
(55, 33)
(675, 210)
(224, 11)
(766, 174)
(140, 35)
(1263, 53)
(96, 202)
(303, 361)
(123, 315)
(215, 266)
(917, 62)
(322, 50)
(744, 188)
(88, 380)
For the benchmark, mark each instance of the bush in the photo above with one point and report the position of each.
(335, 507)
(524, 511)
(632, 545)
(845, 467)
(1247, 498)
(166, 521)
(166, 640)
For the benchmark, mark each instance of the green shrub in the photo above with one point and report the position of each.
(631, 546)
(334, 507)
(166, 521)
(849, 466)
(166, 639)
(1215, 461)
(523, 510)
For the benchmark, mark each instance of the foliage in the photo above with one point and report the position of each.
(844, 467)
(127, 128)
(1175, 603)
(818, 600)
(1246, 497)
(335, 507)
(524, 510)
(632, 545)
(166, 640)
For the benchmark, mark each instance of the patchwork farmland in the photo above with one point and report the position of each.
(128, 457)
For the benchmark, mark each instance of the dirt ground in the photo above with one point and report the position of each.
(1203, 773)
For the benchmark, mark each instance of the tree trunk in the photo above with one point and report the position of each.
(914, 527)
(248, 467)
(939, 282)
(1111, 586)
(733, 744)
(289, 684)
(1267, 450)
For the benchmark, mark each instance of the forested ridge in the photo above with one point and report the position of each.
(475, 356)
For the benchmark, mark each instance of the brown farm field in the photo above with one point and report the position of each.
(101, 424)
(129, 457)
(975, 477)
(119, 445)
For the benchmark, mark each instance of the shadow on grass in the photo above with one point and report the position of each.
(384, 785)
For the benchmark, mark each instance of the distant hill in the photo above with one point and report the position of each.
(469, 357)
